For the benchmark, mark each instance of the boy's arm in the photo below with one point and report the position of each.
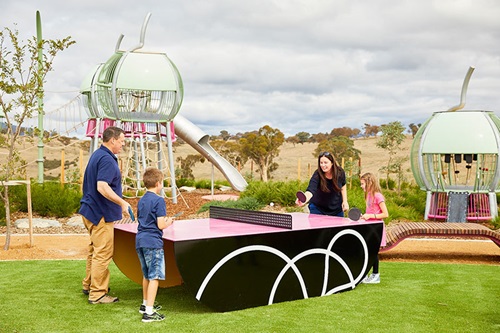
(163, 222)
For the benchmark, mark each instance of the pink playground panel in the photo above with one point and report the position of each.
(478, 207)
(92, 123)
(131, 128)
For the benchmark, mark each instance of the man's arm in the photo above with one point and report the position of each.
(109, 194)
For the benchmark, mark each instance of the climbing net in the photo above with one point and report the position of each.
(144, 149)
(146, 143)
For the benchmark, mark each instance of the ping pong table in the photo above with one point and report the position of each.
(238, 259)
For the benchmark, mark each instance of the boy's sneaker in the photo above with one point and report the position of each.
(152, 317)
(372, 279)
(142, 308)
(105, 299)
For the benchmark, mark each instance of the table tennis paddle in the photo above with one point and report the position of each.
(301, 196)
(131, 213)
(354, 214)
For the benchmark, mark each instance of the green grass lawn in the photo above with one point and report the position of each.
(45, 296)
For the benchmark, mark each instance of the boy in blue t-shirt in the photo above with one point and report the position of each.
(152, 217)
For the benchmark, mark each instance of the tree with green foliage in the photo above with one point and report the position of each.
(318, 137)
(186, 165)
(262, 147)
(231, 151)
(22, 76)
(293, 140)
(371, 130)
(224, 135)
(390, 140)
(414, 129)
(340, 147)
(303, 137)
(345, 131)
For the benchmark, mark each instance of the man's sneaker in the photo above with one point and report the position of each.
(142, 308)
(105, 299)
(372, 278)
(152, 317)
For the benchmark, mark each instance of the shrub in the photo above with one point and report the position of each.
(383, 184)
(204, 184)
(496, 223)
(247, 203)
(409, 205)
(3, 221)
(17, 201)
(185, 182)
(279, 192)
(47, 199)
(54, 199)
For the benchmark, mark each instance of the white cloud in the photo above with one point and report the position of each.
(294, 65)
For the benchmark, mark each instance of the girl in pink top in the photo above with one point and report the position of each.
(375, 210)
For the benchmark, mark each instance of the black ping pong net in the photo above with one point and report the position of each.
(251, 216)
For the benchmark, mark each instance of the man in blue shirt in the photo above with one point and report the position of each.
(101, 206)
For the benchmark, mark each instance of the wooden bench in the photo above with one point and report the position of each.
(398, 232)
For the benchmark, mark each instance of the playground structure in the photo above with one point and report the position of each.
(142, 93)
(454, 158)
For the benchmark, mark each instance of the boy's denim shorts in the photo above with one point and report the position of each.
(152, 263)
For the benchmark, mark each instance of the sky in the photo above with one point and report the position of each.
(296, 65)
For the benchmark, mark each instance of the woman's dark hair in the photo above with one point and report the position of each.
(336, 171)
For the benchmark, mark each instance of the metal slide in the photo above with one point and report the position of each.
(194, 136)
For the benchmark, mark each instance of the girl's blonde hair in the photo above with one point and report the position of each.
(371, 182)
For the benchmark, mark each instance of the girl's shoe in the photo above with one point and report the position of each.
(372, 279)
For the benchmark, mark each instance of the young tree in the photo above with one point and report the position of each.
(390, 140)
(22, 76)
(262, 147)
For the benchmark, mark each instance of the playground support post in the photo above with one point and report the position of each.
(30, 210)
(40, 97)
(171, 163)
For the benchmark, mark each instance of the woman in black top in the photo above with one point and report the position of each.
(327, 193)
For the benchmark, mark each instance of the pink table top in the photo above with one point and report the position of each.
(183, 230)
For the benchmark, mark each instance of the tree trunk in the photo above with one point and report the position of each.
(7, 218)
(263, 172)
(388, 173)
